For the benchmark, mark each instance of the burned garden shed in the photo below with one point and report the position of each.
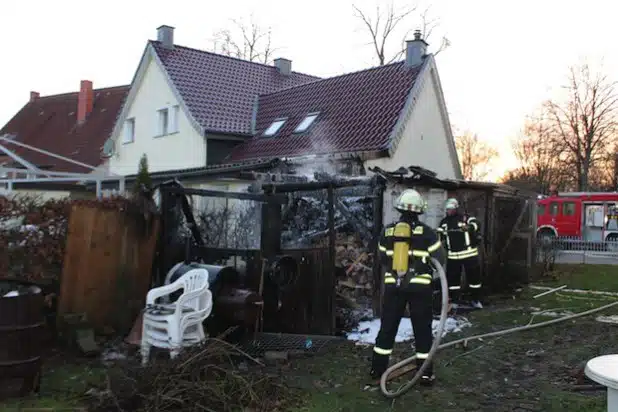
(507, 216)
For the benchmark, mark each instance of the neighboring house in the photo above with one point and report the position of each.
(72, 125)
(191, 109)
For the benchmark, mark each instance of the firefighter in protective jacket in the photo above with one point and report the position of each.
(406, 247)
(460, 233)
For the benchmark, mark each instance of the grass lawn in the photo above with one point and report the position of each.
(63, 386)
(528, 371)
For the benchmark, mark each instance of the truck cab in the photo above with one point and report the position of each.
(559, 216)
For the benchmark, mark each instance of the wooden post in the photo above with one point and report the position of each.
(270, 239)
(331, 252)
(378, 217)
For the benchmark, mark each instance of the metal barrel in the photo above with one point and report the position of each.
(22, 324)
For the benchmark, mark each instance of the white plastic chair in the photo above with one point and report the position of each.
(179, 324)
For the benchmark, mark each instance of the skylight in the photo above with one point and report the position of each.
(307, 121)
(274, 127)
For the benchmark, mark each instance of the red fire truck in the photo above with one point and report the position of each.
(590, 216)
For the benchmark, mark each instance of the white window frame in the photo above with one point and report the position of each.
(274, 127)
(307, 122)
(173, 115)
(163, 121)
(128, 132)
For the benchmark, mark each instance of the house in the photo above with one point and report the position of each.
(65, 126)
(195, 113)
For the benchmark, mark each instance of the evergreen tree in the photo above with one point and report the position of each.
(143, 180)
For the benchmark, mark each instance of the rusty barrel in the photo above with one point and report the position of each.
(22, 325)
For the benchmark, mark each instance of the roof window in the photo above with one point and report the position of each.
(306, 123)
(274, 127)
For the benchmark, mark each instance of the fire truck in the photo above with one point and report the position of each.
(589, 216)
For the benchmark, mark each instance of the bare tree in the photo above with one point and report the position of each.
(475, 156)
(383, 27)
(583, 123)
(539, 159)
(245, 40)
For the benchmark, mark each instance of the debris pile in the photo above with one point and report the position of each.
(213, 377)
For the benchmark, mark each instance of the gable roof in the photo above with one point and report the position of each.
(220, 91)
(50, 123)
(357, 113)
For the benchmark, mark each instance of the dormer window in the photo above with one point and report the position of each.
(306, 123)
(274, 127)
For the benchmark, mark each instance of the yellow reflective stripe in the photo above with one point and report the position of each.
(389, 232)
(473, 251)
(418, 230)
(434, 247)
(475, 286)
(390, 253)
(454, 287)
(467, 237)
(473, 223)
(420, 253)
(381, 351)
(390, 279)
(425, 275)
(422, 281)
(382, 248)
(439, 230)
(420, 355)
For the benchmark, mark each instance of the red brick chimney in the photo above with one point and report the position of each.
(85, 101)
(34, 96)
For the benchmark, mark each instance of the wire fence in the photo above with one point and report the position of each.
(571, 249)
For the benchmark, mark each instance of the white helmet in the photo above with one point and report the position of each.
(411, 201)
(451, 203)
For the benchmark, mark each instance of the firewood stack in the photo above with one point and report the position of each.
(356, 261)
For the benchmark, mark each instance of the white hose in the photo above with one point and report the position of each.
(436, 343)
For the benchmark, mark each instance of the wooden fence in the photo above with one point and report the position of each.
(308, 306)
(107, 266)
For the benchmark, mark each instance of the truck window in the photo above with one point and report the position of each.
(568, 208)
(540, 210)
(553, 208)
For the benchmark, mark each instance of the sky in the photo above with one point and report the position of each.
(504, 58)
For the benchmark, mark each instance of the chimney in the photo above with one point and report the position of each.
(165, 34)
(34, 96)
(284, 66)
(85, 100)
(415, 50)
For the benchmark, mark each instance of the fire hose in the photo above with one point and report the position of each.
(436, 343)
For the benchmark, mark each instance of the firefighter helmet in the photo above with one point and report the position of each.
(411, 201)
(451, 203)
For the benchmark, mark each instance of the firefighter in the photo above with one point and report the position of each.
(406, 247)
(461, 235)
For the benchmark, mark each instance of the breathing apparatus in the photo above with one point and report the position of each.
(410, 201)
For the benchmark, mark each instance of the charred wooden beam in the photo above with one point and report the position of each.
(307, 186)
(227, 195)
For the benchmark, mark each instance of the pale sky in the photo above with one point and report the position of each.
(503, 61)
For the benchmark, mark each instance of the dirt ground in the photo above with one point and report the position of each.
(529, 371)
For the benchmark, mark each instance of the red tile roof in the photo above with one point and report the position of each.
(50, 123)
(357, 113)
(220, 91)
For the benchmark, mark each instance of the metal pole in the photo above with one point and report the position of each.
(19, 159)
(98, 188)
(45, 152)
